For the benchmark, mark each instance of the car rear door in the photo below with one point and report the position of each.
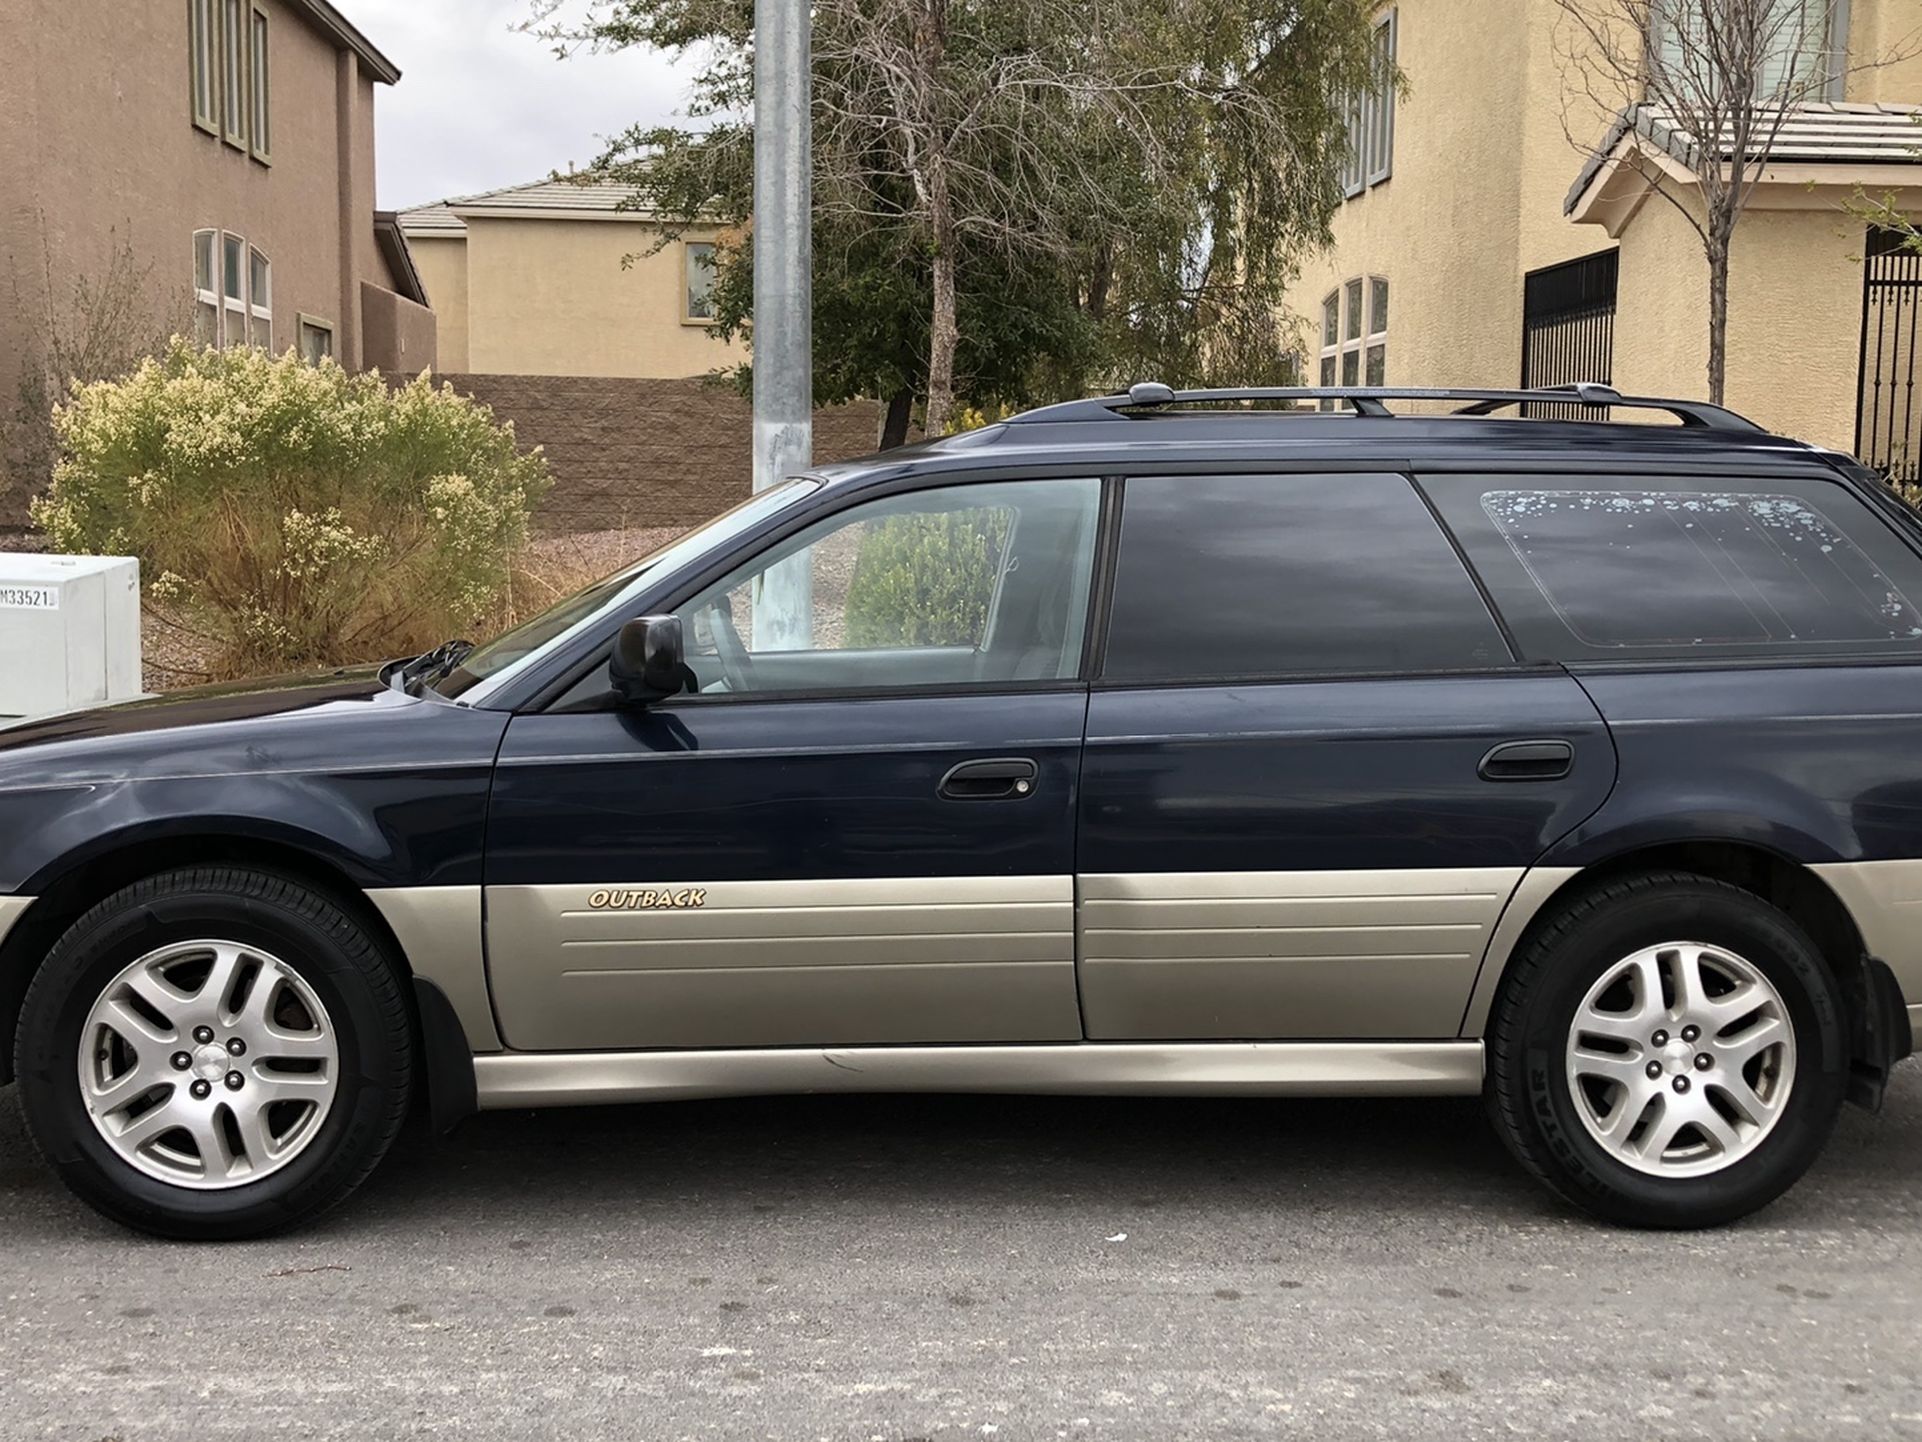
(1315, 772)
(860, 832)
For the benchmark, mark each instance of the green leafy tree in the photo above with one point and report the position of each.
(1016, 198)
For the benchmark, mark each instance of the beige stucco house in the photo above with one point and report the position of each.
(1497, 231)
(226, 149)
(558, 278)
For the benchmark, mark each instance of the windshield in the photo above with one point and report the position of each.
(513, 651)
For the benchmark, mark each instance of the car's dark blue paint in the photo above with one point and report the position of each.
(829, 788)
(1815, 763)
(1332, 775)
(389, 789)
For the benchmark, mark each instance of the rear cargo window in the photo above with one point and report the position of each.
(1616, 571)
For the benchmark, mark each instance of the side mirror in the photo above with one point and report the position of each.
(648, 661)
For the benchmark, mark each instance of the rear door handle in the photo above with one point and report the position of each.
(1528, 761)
(993, 778)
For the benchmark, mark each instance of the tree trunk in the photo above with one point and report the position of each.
(894, 427)
(1718, 255)
(931, 40)
(1099, 283)
(942, 331)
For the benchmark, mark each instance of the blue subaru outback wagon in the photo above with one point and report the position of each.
(1233, 743)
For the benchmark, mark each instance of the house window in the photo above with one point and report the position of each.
(260, 300)
(1802, 49)
(1354, 334)
(206, 291)
(233, 71)
(316, 339)
(260, 86)
(1375, 356)
(203, 61)
(233, 290)
(700, 282)
(1330, 337)
(1381, 103)
(1371, 118)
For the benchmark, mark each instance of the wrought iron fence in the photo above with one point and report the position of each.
(1888, 422)
(1568, 328)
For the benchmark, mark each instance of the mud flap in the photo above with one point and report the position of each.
(1882, 1034)
(448, 1061)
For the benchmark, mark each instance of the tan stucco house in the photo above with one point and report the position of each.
(1496, 232)
(225, 148)
(560, 278)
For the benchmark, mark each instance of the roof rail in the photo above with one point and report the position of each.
(1149, 398)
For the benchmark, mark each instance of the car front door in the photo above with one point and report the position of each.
(1314, 773)
(857, 826)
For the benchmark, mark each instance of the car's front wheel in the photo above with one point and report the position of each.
(214, 1053)
(1668, 1051)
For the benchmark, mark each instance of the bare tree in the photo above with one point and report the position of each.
(1032, 130)
(1714, 82)
(97, 327)
(1885, 211)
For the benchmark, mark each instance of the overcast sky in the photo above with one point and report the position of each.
(480, 105)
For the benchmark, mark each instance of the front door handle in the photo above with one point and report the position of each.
(1528, 761)
(993, 778)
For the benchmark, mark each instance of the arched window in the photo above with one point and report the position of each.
(206, 287)
(1354, 333)
(260, 300)
(233, 291)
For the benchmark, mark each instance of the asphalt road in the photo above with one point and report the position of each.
(901, 1268)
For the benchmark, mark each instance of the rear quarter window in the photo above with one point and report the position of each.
(1251, 576)
(1619, 569)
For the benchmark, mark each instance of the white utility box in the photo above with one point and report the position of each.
(69, 631)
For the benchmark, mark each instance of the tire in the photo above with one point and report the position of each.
(331, 1030)
(1593, 957)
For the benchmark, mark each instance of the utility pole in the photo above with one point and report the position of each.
(783, 296)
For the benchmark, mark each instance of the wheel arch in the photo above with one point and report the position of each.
(1868, 989)
(63, 893)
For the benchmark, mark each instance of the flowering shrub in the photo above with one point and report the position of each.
(294, 514)
(926, 580)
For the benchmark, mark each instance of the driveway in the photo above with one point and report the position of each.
(897, 1268)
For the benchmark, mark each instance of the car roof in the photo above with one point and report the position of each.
(1108, 436)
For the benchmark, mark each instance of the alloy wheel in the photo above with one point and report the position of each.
(1681, 1059)
(208, 1064)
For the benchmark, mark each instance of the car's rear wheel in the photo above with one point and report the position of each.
(215, 1053)
(1668, 1051)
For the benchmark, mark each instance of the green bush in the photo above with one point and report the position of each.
(926, 580)
(294, 515)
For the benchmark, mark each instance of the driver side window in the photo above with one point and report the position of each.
(957, 586)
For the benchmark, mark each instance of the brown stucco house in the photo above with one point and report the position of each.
(222, 151)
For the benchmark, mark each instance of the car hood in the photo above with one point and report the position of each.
(198, 706)
(343, 719)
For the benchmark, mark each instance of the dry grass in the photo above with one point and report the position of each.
(548, 569)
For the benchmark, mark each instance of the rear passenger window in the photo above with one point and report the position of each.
(1613, 570)
(1246, 576)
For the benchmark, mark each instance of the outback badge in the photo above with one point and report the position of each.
(649, 898)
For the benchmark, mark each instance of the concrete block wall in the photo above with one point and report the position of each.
(641, 453)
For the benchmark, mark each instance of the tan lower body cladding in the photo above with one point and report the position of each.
(1286, 953)
(782, 963)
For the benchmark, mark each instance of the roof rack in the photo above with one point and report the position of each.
(1150, 398)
